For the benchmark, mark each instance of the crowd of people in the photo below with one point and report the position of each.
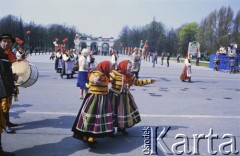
(104, 110)
(229, 55)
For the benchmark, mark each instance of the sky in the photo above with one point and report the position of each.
(106, 18)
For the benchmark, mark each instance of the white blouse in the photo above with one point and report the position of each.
(83, 64)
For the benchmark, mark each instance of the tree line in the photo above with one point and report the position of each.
(219, 28)
(39, 36)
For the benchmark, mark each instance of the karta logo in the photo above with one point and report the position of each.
(154, 142)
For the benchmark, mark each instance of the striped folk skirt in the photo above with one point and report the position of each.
(95, 117)
(126, 112)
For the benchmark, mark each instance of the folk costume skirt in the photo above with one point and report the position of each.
(82, 79)
(126, 112)
(186, 73)
(95, 117)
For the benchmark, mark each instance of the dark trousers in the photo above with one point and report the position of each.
(136, 75)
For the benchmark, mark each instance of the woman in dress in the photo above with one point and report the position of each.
(95, 117)
(83, 73)
(187, 72)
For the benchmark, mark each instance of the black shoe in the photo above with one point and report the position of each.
(61, 76)
(13, 124)
(123, 131)
(93, 145)
(9, 130)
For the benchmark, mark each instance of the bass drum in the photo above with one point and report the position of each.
(27, 73)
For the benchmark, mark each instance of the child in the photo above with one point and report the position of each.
(95, 118)
(125, 109)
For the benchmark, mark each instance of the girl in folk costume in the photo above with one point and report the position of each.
(68, 63)
(83, 72)
(95, 117)
(58, 61)
(187, 72)
(125, 109)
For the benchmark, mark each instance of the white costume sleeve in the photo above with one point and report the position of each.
(65, 57)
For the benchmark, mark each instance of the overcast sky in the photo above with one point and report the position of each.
(107, 17)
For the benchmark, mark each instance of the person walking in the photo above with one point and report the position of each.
(231, 65)
(216, 63)
(187, 72)
(68, 64)
(95, 117)
(154, 58)
(58, 61)
(168, 58)
(162, 58)
(178, 58)
(125, 109)
(198, 56)
(83, 72)
(136, 62)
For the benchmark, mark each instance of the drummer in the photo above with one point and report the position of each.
(6, 42)
(7, 57)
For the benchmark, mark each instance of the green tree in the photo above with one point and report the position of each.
(155, 34)
(124, 36)
(172, 42)
(236, 29)
(207, 32)
(225, 21)
(187, 33)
